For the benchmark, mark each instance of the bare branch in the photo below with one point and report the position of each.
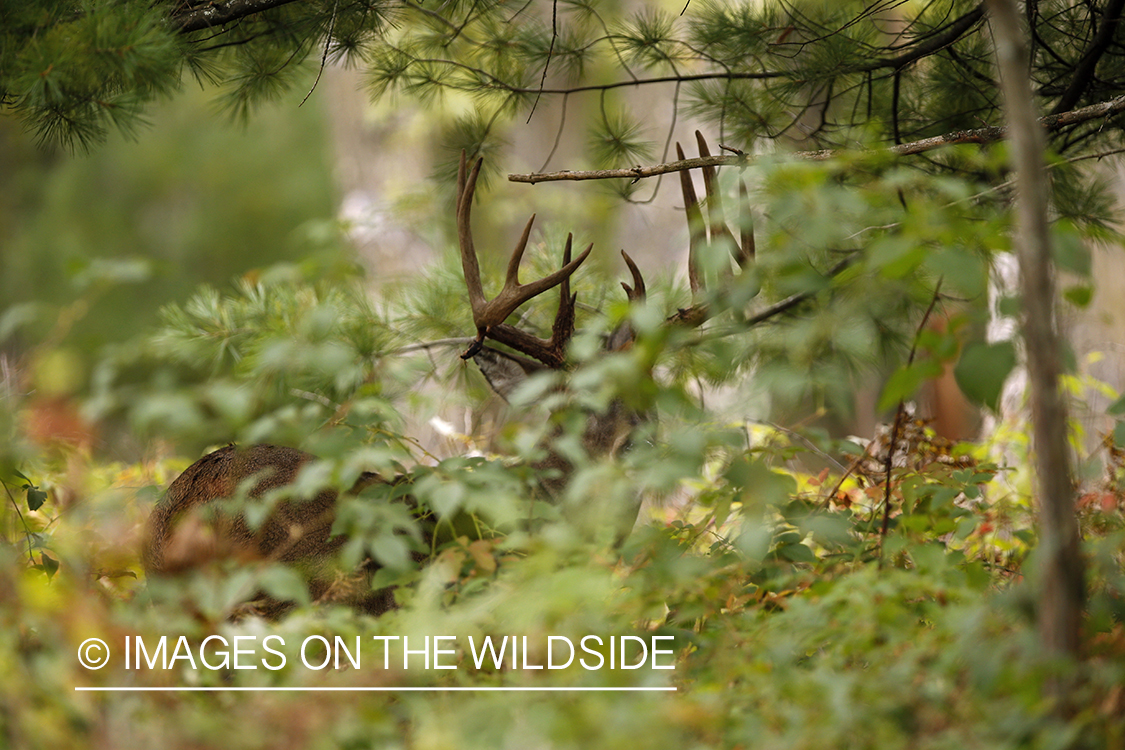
(783, 306)
(990, 134)
(634, 173)
(211, 14)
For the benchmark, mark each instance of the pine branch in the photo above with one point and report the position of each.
(990, 134)
(930, 45)
(952, 33)
(212, 14)
(1084, 71)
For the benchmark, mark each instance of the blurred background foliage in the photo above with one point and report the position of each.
(138, 224)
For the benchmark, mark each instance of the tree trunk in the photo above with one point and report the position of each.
(1061, 595)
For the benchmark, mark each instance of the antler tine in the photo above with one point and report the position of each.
(746, 248)
(564, 285)
(563, 328)
(514, 293)
(696, 229)
(550, 352)
(716, 223)
(624, 335)
(461, 177)
(635, 293)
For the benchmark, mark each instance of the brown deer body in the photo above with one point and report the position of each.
(298, 531)
(184, 531)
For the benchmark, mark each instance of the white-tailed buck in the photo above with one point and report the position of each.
(189, 526)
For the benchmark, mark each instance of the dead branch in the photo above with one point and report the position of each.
(989, 134)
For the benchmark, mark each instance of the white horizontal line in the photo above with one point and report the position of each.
(377, 689)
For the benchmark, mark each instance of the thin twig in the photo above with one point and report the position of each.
(23, 522)
(324, 57)
(550, 52)
(698, 314)
(794, 434)
(314, 397)
(793, 300)
(427, 345)
(852, 467)
(900, 412)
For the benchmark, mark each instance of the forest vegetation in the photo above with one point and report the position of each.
(175, 278)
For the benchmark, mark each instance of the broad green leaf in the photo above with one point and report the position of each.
(282, 582)
(905, 382)
(764, 484)
(796, 553)
(35, 498)
(1069, 251)
(49, 565)
(982, 371)
(894, 256)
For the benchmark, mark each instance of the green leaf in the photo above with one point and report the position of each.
(722, 509)
(1069, 251)
(35, 498)
(385, 577)
(1079, 296)
(982, 371)
(393, 551)
(282, 582)
(828, 529)
(906, 381)
(447, 498)
(1119, 433)
(894, 256)
(1117, 408)
(929, 557)
(796, 553)
(15, 317)
(965, 527)
(49, 565)
(767, 486)
(1009, 306)
(914, 522)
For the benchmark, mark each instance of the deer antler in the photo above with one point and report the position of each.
(715, 227)
(489, 314)
(635, 293)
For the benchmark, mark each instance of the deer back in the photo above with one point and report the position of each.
(191, 526)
